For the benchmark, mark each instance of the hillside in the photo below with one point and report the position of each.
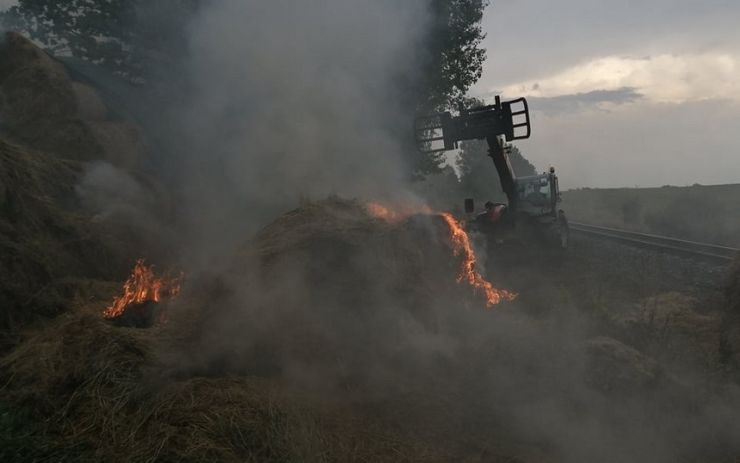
(701, 213)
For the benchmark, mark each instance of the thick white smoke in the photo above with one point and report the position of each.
(295, 100)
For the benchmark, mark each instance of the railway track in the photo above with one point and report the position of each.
(691, 249)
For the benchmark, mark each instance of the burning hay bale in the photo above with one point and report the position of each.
(54, 244)
(138, 306)
(48, 245)
(462, 247)
(370, 244)
(357, 226)
(53, 249)
(333, 284)
(344, 241)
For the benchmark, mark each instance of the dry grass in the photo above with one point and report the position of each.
(48, 246)
(701, 212)
(730, 340)
(100, 394)
(732, 287)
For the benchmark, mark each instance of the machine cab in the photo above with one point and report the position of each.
(538, 194)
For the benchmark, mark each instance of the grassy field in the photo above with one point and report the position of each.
(703, 213)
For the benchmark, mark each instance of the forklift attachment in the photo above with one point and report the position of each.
(442, 131)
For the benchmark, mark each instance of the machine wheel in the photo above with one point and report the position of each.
(557, 239)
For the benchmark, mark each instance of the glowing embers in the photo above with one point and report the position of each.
(142, 292)
(461, 247)
(396, 213)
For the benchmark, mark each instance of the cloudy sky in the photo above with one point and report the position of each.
(625, 93)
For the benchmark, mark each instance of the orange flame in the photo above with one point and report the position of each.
(461, 247)
(380, 211)
(142, 286)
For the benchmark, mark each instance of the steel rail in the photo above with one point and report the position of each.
(692, 249)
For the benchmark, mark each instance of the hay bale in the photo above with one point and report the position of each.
(89, 105)
(670, 327)
(45, 239)
(40, 106)
(616, 368)
(346, 255)
(46, 88)
(338, 231)
(121, 142)
(344, 300)
(45, 110)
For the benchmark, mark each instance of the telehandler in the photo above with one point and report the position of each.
(531, 216)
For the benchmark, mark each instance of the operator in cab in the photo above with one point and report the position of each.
(493, 213)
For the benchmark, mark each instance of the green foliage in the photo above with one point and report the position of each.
(118, 34)
(135, 38)
(454, 49)
(452, 57)
(478, 176)
(441, 191)
(121, 34)
(453, 63)
(98, 31)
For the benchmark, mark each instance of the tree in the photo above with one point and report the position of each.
(135, 38)
(118, 34)
(121, 33)
(451, 60)
(98, 31)
(478, 176)
(441, 191)
(455, 57)
(453, 63)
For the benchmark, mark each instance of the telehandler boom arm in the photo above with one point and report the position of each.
(497, 124)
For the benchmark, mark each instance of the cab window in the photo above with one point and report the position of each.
(536, 192)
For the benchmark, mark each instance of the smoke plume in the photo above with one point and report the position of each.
(293, 100)
(288, 101)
